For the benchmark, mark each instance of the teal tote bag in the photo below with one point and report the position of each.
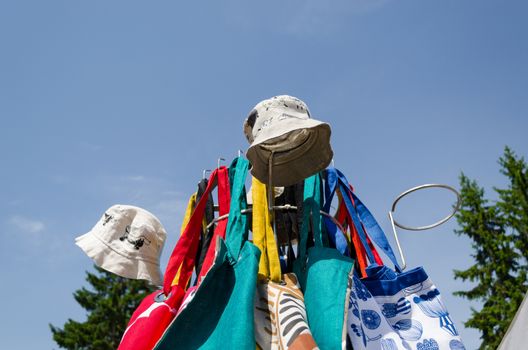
(220, 314)
(324, 274)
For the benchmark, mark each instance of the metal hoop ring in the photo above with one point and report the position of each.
(421, 228)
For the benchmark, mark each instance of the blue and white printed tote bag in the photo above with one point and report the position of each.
(399, 311)
(390, 309)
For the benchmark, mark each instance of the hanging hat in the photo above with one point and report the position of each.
(127, 241)
(300, 145)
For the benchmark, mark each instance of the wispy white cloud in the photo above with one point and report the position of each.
(155, 194)
(90, 146)
(27, 225)
(35, 238)
(300, 17)
(314, 16)
(171, 206)
(15, 202)
(170, 212)
(134, 178)
(59, 179)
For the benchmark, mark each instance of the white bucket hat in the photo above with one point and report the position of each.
(127, 241)
(300, 144)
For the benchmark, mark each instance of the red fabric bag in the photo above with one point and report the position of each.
(157, 310)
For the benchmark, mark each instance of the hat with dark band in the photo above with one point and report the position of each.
(281, 127)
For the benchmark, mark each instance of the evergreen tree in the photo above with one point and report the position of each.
(499, 231)
(109, 305)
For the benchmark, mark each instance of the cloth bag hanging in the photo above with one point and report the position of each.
(220, 315)
(280, 315)
(157, 310)
(390, 309)
(206, 252)
(324, 274)
(207, 231)
(351, 245)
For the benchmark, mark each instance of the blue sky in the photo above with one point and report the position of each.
(107, 102)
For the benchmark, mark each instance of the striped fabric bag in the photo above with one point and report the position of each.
(280, 315)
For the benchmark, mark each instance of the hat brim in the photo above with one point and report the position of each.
(294, 165)
(115, 262)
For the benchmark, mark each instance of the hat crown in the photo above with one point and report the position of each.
(269, 112)
(132, 231)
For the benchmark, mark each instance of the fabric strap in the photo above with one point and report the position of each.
(364, 222)
(220, 230)
(263, 237)
(237, 224)
(343, 217)
(207, 231)
(190, 207)
(337, 238)
(188, 212)
(311, 215)
(336, 184)
(182, 259)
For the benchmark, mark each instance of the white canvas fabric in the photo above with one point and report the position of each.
(516, 334)
(127, 241)
(414, 317)
(300, 144)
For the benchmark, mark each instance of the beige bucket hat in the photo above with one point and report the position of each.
(127, 241)
(300, 144)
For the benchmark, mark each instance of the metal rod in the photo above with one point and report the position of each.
(276, 207)
(218, 162)
(438, 223)
(394, 223)
(225, 216)
(400, 251)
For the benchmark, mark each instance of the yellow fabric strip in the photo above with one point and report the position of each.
(188, 212)
(263, 238)
(258, 191)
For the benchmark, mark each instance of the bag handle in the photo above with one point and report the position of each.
(338, 239)
(311, 215)
(364, 222)
(263, 237)
(183, 256)
(343, 217)
(220, 229)
(338, 184)
(207, 231)
(237, 224)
